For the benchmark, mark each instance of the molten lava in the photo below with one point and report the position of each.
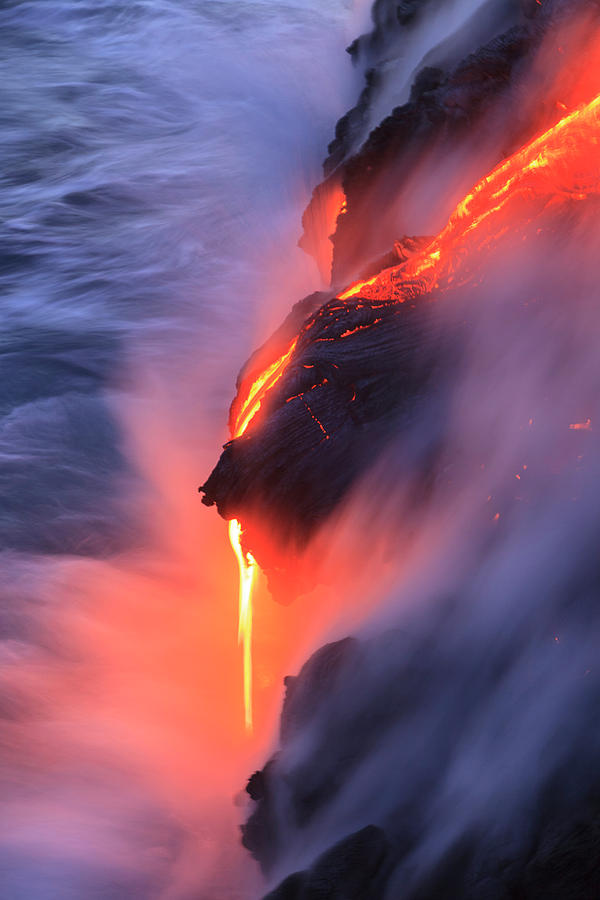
(553, 168)
(558, 166)
(247, 407)
(250, 404)
(247, 567)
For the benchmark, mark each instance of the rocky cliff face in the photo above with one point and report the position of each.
(359, 370)
(317, 405)
(453, 755)
(464, 105)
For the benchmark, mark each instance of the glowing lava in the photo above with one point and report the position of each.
(247, 567)
(558, 166)
(248, 404)
(255, 394)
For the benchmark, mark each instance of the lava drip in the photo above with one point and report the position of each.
(244, 409)
(247, 567)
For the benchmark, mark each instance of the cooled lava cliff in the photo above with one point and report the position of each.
(456, 755)
(317, 404)
(453, 752)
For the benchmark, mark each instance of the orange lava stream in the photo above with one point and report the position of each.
(560, 164)
(247, 567)
(249, 407)
(258, 389)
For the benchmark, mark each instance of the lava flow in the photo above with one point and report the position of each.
(555, 168)
(247, 567)
(251, 404)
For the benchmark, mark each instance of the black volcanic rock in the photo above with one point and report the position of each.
(564, 867)
(361, 370)
(442, 112)
(426, 687)
(353, 869)
(318, 676)
(374, 367)
(320, 673)
(449, 102)
(290, 889)
(358, 373)
(380, 52)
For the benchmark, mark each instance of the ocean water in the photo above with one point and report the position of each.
(155, 160)
(151, 154)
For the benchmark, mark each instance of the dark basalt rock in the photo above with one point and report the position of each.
(361, 372)
(364, 372)
(564, 867)
(260, 833)
(361, 696)
(442, 112)
(317, 697)
(353, 869)
(292, 888)
(322, 672)
(358, 373)
(380, 53)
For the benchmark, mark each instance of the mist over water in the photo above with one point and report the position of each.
(156, 157)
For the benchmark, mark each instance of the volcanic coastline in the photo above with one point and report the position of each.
(502, 123)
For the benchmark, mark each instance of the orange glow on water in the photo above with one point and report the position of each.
(247, 567)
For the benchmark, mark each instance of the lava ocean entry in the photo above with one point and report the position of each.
(369, 669)
(441, 401)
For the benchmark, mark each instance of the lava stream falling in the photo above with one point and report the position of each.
(246, 562)
(247, 567)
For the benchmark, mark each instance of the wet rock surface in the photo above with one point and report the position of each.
(360, 697)
(353, 869)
